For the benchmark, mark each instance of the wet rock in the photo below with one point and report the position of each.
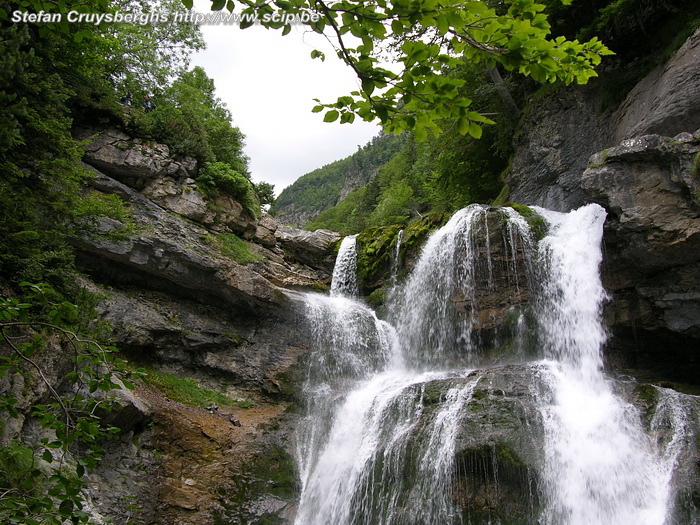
(498, 450)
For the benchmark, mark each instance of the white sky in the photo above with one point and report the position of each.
(269, 81)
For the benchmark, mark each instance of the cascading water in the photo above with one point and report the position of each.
(386, 400)
(600, 466)
(344, 273)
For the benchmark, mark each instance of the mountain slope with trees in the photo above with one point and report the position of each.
(327, 186)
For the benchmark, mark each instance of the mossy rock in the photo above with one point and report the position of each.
(496, 486)
(275, 473)
(538, 226)
(377, 297)
(376, 248)
(271, 476)
(502, 197)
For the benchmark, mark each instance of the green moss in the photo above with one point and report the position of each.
(376, 248)
(480, 394)
(377, 297)
(647, 394)
(502, 196)
(603, 160)
(187, 391)
(233, 246)
(238, 340)
(695, 170)
(538, 226)
(434, 392)
(16, 462)
(374, 253)
(501, 451)
(275, 473)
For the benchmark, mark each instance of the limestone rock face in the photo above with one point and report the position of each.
(562, 129)
(651, 189)
(559, 134)
(308, 247)
(252, 354)
(667, 101)
(173, 254)
(133, 161)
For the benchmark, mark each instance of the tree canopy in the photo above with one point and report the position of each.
(400, 50)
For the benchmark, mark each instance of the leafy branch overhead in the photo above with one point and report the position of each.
(401, 49)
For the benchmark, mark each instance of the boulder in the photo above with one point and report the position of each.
(651, 190)
(312, 248)
(134, 162)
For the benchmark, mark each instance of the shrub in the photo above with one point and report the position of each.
(218, 177)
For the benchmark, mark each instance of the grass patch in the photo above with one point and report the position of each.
(187, 391)
(233, 246)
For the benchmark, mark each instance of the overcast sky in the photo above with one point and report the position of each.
(269, 81)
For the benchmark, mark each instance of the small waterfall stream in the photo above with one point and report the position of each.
(344, 281)
(386, 399)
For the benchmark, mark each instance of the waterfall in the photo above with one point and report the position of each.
(387, 399)
(600, 466)
(344, 280)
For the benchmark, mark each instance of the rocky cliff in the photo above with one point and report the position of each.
(180, 305)
(640, 161)
(183, 304)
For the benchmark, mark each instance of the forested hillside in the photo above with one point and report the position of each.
(453, 169)
(327, 186)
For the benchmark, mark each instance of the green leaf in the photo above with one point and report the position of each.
(347, 118)
(475, 130)
(318, 54)
(368, 86)
(188, 3)
(331, 116)
(217, 5)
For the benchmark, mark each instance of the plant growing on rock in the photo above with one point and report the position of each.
(218, 177)
(46, 483)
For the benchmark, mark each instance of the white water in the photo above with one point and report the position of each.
(344, 280)
(600, 466)
(368, 456)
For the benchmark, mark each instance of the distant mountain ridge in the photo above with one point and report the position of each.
(325, 187)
